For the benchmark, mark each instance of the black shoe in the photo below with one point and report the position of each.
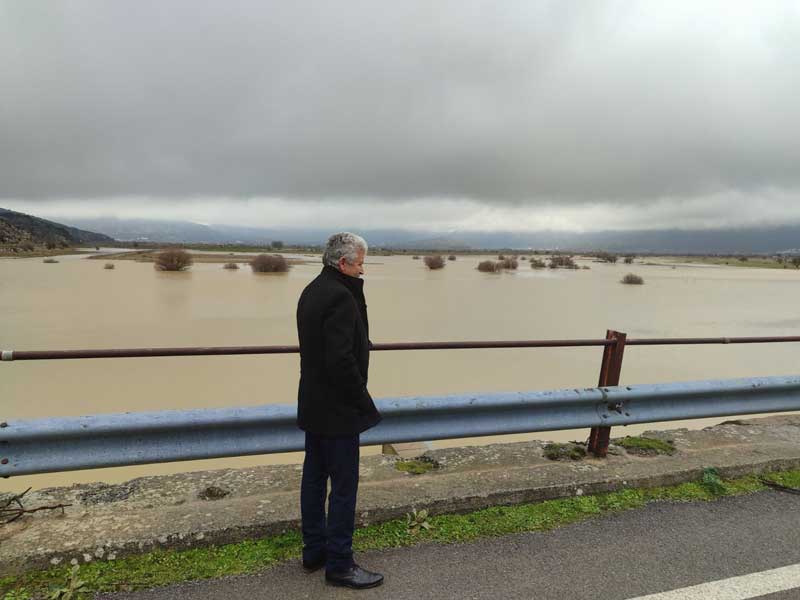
(313, 565)
(355, 577)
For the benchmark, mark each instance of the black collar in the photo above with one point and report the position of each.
(354, 284)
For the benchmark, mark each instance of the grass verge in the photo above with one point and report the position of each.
(162, 567)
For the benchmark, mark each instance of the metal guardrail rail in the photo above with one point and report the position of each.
(70, 443)
(62, 444)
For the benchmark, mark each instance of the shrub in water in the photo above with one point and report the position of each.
(508, 263)
(562, 262)
(173, 259)
(487, 266)
(451, 257)
(269, 263)
(231, 265)
(109, 266)
(537, 264)
(607, 257)
(632, 279)
(434, 262)
(50, 261)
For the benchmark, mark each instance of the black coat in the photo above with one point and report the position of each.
(333, 330)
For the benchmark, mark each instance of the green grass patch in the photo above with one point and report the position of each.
(645, 446)
(788, 478)
(162, 567)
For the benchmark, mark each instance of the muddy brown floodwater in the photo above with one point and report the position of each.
(76, 303)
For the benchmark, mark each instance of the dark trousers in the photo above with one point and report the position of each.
(335, 458)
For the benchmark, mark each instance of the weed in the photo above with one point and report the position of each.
(75, 587)
(417, 521)
(712, 482)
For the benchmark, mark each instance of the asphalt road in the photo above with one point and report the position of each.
(664, 547)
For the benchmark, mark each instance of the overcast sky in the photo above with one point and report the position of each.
(575, 115)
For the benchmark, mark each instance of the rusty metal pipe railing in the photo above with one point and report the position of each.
(611, 365)
(12, 355)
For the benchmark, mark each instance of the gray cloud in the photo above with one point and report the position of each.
(549, 103)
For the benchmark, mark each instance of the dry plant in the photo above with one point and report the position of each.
(269, 263)
(12, 508)
(632, 279)
(434, 262)
(173, 259)
(508, 263)
(537, 264)
(562, 262)
(488, 266)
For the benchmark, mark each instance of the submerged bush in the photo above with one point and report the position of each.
(231, 265)
(173, 259)
(109, 266)
(607, 257)
(434, 262)
(562, 262)
(451, 257)
(415, 257)
(269, 263)
(488, 266)
(632, 279)
(508, 263)
(50, 261)
(537, 264)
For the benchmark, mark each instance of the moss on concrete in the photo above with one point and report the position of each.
(569, 451)
(645, 446)
(416, 466)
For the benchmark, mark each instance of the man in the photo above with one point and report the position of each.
(333, 408)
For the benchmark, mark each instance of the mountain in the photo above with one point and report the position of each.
(752, 240)
(18, 230)
(151, 230)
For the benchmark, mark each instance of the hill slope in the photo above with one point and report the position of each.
(25, 232)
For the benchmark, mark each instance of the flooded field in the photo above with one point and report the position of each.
(76, 303)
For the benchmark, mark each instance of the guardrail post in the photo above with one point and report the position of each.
(610, 370)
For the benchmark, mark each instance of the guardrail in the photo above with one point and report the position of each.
(70, 443)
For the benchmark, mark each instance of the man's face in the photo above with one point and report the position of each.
(354, 269)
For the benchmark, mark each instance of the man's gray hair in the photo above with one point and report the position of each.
(344, 244)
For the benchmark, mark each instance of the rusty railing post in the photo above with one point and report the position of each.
(610, 370)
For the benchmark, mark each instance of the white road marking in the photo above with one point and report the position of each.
(736, 588)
